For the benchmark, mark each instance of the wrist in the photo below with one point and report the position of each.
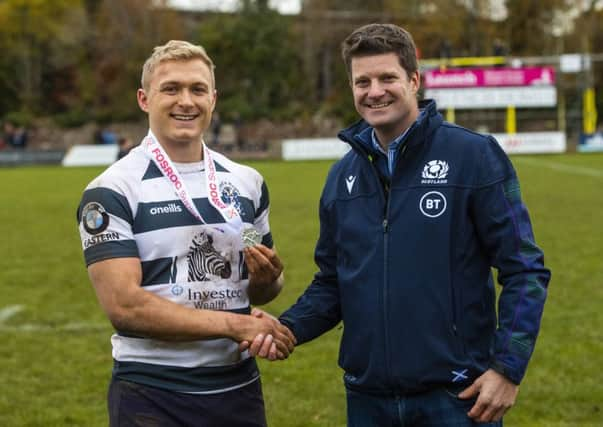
(261, 293)
(232, 325)
(503, 370)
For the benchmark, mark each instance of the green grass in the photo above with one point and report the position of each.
(58, 377)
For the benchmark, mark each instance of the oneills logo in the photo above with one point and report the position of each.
(169, 208)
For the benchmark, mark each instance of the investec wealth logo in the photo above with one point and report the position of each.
(435, 172)
(167, 209)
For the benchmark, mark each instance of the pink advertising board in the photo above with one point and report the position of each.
(489, 77)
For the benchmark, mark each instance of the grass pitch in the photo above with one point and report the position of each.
(55, 355)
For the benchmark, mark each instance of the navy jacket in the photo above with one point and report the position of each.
(406, 264)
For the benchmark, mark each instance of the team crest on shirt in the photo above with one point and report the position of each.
(230, 195)
(435, 172)
(95, 218)
(205, 262)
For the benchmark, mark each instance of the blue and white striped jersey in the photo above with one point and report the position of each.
(131, 210)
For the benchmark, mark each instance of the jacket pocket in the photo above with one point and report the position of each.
(455, 320)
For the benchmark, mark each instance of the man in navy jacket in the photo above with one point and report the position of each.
(411, 221)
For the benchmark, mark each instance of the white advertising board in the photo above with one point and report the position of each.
(532, 142)
(591, 143)
(314, 149)
(494, 97)
(574, 63)
(91, 155)
(518, 143)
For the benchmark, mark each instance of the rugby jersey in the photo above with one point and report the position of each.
(131, 210)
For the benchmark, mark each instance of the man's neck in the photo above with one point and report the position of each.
(385, 136)
(183, 152)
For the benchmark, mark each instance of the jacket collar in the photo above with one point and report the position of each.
(431, 119)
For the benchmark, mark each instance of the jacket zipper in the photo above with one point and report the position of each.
(385, 189)
(385, 223)
(385, 192)
(386, 284)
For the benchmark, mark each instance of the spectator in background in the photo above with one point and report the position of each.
(19, 140)
(238, 127)
(498, 48)
(445, 49)
(216, 128)
(6, 135)
(105, 136)
(14, 136)
(125, 145)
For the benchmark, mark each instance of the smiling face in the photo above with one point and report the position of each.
(179, 100)
(384, 94)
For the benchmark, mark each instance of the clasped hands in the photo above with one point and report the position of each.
(268, 338)
(274, 341)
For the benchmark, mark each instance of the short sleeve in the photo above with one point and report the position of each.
(105, 223)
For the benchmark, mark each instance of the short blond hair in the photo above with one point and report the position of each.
(175, 50)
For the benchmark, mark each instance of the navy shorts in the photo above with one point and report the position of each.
(132, 404)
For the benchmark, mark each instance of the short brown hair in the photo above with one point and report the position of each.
(375, 39)
(174, 50)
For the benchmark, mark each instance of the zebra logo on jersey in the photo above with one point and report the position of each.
(204, 260)
(230, 195)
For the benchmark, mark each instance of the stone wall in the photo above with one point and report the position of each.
(262, 139)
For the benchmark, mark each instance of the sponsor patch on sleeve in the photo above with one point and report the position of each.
(95, 218)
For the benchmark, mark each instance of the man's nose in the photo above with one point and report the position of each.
(375, 90)
(185, 97)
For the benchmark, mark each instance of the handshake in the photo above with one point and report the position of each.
(264, 336)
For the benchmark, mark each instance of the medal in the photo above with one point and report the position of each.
(250, 237)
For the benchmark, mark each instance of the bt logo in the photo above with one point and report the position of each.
(432, 204)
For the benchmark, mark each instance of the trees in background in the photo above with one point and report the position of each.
(80, 60)
(258, 62)
(124, 34)
(77, 60)
(40, 43)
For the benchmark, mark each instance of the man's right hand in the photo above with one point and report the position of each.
(264, 336)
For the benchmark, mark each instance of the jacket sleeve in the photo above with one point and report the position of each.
(504, 228)
(318, 309)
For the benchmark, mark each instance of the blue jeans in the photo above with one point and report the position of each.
(439, 407)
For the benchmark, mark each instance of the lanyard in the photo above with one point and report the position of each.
(158, 155)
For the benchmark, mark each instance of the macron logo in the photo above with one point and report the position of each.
(349, 182)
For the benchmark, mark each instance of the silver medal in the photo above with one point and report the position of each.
(250, 237)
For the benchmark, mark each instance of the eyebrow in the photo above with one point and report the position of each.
(180, 83)
(384, 73)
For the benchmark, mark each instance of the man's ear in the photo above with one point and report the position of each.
(416, 81)
(143, 100)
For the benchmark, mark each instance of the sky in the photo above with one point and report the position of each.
(283, 6)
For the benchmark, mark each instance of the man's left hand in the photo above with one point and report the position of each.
(495, 395)
(263, 264)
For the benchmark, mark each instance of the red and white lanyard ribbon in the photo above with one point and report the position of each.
(158, 155)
